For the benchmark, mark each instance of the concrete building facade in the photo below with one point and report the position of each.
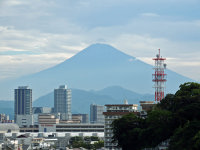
(80, 128)
(9, 128)
(62, 102)
(115, 111)
(96, 113)
(47, 119)
(24, 120)
(47, 122)
(72, 128)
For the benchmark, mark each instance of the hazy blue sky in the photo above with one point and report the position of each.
(37, 34)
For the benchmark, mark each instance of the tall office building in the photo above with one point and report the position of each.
(96, 113)
(23, 101)
(62, 102)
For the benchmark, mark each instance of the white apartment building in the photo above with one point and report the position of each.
(115, 111)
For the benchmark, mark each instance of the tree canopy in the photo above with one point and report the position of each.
(85, 142)
(176, 118)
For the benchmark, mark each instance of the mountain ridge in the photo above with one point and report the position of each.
(82, 99)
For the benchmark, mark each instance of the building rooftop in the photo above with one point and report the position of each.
(118, 113)
(121, 105)
(6, 127)
(146, 102)
(22, 87)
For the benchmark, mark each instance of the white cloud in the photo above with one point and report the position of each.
(52, 29)
(48, 44)
(150, 15)
(18, 65)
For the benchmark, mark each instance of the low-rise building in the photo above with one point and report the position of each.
(47, 119)
(147, 105)
(24, 120)
(80, 128)
(72, 128)
(41, 140)
(9, 128)
(47, 122)
(84, 118)
(34, 128)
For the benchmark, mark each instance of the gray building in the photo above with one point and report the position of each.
(23, 101)
(96, 113)
(24, 120)
(84, 118)
(62, 102)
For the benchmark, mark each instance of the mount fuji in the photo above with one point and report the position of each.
(96, 67)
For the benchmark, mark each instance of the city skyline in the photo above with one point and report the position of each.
(42, 34)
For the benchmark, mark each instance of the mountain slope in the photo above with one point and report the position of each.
(95, 67)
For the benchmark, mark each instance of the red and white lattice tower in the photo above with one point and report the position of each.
(159, 77)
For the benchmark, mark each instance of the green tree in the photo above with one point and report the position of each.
(189, 89)
(77, 142)
(98, 144)
(187, 137)
(127, 131)
(176, 117)
(159, 127)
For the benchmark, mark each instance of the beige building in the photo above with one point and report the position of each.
(115, 111)
(47, 119)
(47, 122)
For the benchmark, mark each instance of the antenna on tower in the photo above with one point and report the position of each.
(159, 77)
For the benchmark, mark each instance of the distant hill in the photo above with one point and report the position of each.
(117, 92)
(81, 99)
(95, 67)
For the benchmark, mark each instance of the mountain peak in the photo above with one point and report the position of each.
(100, 45)
(101, 52)
(100, 48)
